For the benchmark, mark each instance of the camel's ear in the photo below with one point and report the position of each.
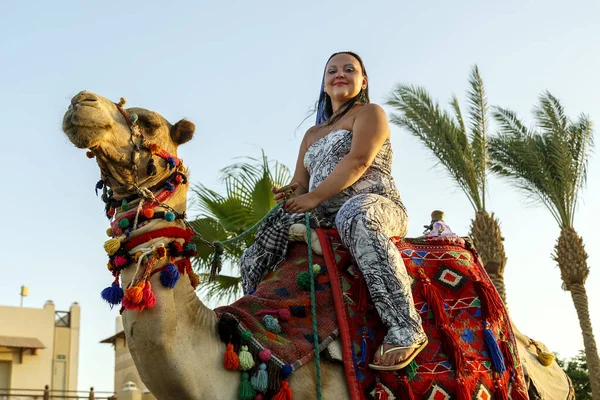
(182, 131)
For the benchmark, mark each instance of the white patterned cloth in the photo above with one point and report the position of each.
(366, 215)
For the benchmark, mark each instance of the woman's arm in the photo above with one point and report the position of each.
(369, 132)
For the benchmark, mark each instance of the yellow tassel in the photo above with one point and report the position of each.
(109, 266)
(109, 232)
(545, 358)
(122, 102)
(112, 245)
(194, 279)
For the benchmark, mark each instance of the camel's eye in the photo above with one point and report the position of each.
(149, 123)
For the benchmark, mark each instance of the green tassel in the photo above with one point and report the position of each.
(217, 263)
(411, 370)
(124, 205)
(246, 390)
(246, 360)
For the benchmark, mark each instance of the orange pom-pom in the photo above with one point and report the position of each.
(148, 212)
(285, 393)
(231, 360)
(135, 294)
(111, 212)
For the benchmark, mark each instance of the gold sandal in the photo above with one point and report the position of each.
(402, 364)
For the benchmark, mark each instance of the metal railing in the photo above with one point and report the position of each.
(47, 394)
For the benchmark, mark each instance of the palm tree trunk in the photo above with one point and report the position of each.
(488, 240)
(579, 296)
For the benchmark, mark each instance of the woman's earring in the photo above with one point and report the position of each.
(363, 96)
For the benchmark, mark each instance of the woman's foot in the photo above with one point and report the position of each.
(390, 357)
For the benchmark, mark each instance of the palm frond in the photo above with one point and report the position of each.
(549, 165)
(440, 133)
(478, 110)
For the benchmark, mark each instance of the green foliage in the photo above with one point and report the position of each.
(547, 163)
(247, 199)
(576, 368)
(462, 152)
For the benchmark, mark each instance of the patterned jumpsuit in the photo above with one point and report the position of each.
(366, 215)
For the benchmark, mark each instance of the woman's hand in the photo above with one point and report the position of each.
(302, 203)
(280, 193)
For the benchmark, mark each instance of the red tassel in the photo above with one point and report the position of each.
(491, 303)
(518, 392)
(149, 299)
(285, 393)
(453, 348)
(509, 355)
(463, 388)
(435, 302)
(501, 390)
(404, 390)
(231, 360)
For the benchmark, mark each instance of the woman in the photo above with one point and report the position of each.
(343, 177)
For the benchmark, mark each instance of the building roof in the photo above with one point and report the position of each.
(21, 342)
(114, 337)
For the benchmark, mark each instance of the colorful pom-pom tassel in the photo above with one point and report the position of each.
(109, 232)
(160, 252)
(151, 168)
(246, 360)
(246, 335)
(113, 294)
(170, 216)
(171, 162)
(246, 392)
(179, 178)
(111, 246)
(148, 212)
(134, 296)
(120, 261)
(260, 379)
(133, 118)
(124, 223)
(284, 314)
(264, 355)
(90, 154)
(303, 280)
(169, 276)
(230, 359)
(492, 344)
(124, 205)
(259, 397)
(271, 323)
(545, 358)
(169, 186)
(149, 299)
(99, 185)
(316, 269)
(111, 212)
(285, 393)
(286, 370)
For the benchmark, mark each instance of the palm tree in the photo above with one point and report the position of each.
(247, 199)
(463, 152)
(549, 164)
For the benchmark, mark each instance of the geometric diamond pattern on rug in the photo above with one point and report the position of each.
(482, 393)
(437, 392)
(450, 278)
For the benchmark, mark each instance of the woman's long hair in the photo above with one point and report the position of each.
(324, 108)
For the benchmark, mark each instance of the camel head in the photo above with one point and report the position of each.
(123, 145)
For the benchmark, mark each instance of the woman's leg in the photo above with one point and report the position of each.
(365, 223)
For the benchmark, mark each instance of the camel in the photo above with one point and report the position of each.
(175, 345)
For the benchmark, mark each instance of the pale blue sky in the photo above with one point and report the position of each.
(246, 73)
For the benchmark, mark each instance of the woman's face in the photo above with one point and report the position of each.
(344, 78)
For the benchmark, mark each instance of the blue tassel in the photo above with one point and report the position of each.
(133, 118)
(113, 294)
(271, 324)
(260, 380)
(171, 162)
(169, 276)
(99, 186)
(363, 350)
(170, 186)
(492, 344)
(191, 246)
